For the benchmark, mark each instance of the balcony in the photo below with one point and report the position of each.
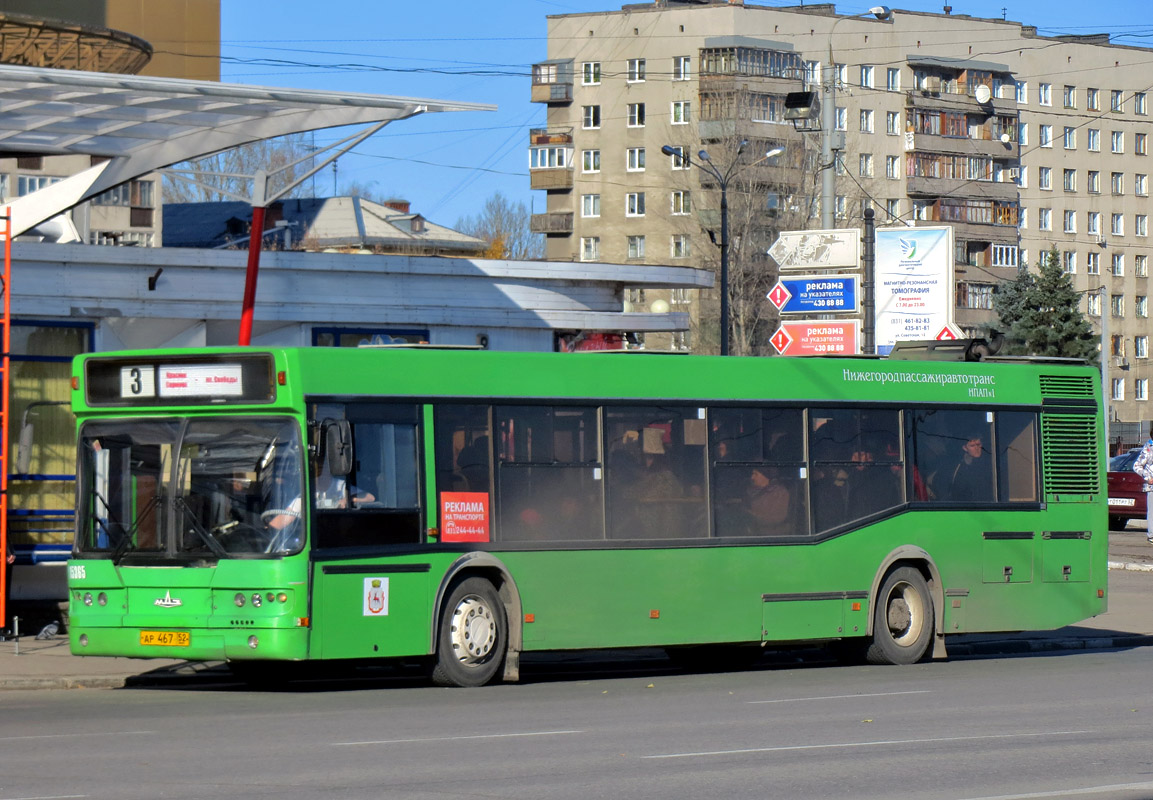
(1004, 191)
(553, 222)
(552, 82)
(555, 178)
(544, 136)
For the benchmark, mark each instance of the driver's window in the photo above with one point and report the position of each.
(378, 500)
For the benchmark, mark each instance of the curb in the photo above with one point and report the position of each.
(1132, 566)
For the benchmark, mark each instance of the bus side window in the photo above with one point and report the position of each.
(1017, 456)
(953, 455)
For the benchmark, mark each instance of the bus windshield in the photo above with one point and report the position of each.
(190, 488)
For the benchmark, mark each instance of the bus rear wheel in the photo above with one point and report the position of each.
(903, 619)
(473, 635)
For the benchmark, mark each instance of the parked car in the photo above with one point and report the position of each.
(1126, 498)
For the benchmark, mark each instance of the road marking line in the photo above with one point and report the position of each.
(1115, 787)
(458, 738)
(839, 697)
(73, 735)
(862, 744)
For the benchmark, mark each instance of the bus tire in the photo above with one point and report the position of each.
(902, 619)
(473, 636)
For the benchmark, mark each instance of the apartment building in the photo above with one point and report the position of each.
(1021, 142)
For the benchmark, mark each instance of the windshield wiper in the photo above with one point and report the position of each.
(126, 543)
(213, 543)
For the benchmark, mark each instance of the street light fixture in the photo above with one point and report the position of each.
(705, 162)
(829, 119)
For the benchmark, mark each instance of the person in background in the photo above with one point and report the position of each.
(1143, 466)
(768, 499)
(973, 475)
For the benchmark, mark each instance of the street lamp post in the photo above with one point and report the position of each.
(829, 120)
(705, 162)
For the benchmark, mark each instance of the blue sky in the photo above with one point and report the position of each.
(448, 164)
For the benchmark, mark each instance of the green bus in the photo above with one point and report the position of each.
(462, 507)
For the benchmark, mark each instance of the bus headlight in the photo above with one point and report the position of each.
(253, 642)
(88, 598)
(239, 600)
(102, 599)
(256, 601)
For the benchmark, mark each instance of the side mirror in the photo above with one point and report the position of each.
(338, 447)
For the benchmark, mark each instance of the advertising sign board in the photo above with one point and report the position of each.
(838, 248)
(914, 284)
(815, 293)
(817, 337)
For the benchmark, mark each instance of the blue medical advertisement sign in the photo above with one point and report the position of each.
(816, 294)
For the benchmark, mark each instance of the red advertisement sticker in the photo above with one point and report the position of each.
(464, 517)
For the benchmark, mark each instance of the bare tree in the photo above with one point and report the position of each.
(505, 226)
(267, 155)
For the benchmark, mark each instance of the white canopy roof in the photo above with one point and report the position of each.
(144, 124)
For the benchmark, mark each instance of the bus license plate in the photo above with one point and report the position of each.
(1121, 501)
(166, 638)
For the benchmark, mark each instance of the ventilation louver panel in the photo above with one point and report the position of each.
(1068, 386)
(1071, 453)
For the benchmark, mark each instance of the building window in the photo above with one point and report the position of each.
(635, 161)
(1117, 267)
(1044, 219)
(1141, 266)
(1118, 225)
(893, 209)
(1141, 184)
(892, 123)
(1070, 225)
(1070, 97)
(1044, 178)
(591, 73)
(1070, 138)
(1093, 99)
(678, 159)
(1023, 134)
(681, 112)
(1117, 182)
(1069, 262)
(548, 157)
(636, 70)
(636, 247)
(681, 202)
(1117, 305)
(1093, 222)
(590, 161)
(682, 68)
(866, 76)
(893, 167)
(1092, 263)
(1093, 304)
(1118, 389)
(893, 79)
(1094, 181)
(1141, 347)
(680, 245)
(590, 117)
(866, 120)
(636, 115)
(635, 204)
(26, 184)
(1117, 101)
(1140, 388)
(1045, 135)
(1069, 179)
(1045, 94)
(1093, 140)
(842, 119)
(1023, 93)
(975, 295)
(1141, 225)
(1005, 255)
(1117, 140)
(1141, 144)
(1141, 305)
(590, 248)
(1139, 106)
(865, 165)
(590, 205)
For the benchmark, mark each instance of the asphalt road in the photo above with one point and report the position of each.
(1068, 725)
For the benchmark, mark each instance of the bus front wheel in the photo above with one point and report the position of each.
(903, 619)
(473, 635)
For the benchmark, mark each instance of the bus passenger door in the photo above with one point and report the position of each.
(370, 592)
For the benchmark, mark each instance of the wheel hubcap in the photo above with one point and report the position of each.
(473, 633)
(906, 614)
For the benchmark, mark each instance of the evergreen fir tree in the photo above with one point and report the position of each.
(1042, 315)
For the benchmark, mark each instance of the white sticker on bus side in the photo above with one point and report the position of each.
(376, 597)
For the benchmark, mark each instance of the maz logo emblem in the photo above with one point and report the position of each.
(168, 601)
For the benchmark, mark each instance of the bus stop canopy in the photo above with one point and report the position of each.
(142, 124)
